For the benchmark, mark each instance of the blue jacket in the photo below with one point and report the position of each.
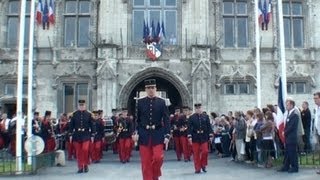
(291, 128)
(81, 126)
(199, 128)
(152, 113)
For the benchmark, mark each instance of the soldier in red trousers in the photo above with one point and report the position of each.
(153, 130)
(125, 130)
(81, 131)
(199, 133)
(175, 130)
(96, 145)
(47, 133)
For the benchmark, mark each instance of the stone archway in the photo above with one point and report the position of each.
(137, 78)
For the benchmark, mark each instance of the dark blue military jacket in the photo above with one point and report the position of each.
(199, 128)
(291, 128)
(127, 127)
(81, 126)
(153, 120)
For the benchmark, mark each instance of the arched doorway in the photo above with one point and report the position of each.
(168, 85)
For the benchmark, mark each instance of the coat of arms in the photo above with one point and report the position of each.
(152, 37)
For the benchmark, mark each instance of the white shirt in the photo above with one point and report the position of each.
(317, 119)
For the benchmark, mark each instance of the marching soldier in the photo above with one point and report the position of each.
(82, 131)
(183, 124)
(36, 124)
(124, 134)
(175, 130)
(47, 133)
(199, 132)
(70, 146)
(98, 128)
(114, 117)
(153, 130)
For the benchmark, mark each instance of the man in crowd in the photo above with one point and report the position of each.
(316, 98)
(306, 122)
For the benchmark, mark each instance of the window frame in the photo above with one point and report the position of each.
(75, 84)
(291, 16)
(235, 16)
(77, 15)
(236, 87)
(10, 15)
(163, 8)
(294, 87)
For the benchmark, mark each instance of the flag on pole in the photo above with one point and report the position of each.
(280, 112)
(51, 12)
(45, 18)
(264, 13)
(163, 30)
(39, 12)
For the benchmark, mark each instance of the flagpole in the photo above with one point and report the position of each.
(30, 75)
(282, 51)
(257, 38)
(19, 87)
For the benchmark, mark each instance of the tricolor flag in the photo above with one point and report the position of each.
(51, 12)
(45, 18)
(264, 13)
(280, 112)
(39, 12)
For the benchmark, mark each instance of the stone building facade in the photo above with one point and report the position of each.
(93, 52)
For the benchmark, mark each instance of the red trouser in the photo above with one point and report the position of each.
(96, 150)
(178, 146)
(50, 145)
(82, 151)
(185, 147)
(200, 155)
(151, 160)
(124, 149)
(115, 146)
(71, 150)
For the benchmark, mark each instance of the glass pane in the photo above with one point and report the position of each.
(229, 88)
(287, 31)
(171, 2)
(28, 7)
(242, 32)
(13, 23)
(286, 8)
(154, 2)
(26, 31)
(14, 7)
(69, 31)
(138, 19)
(71, 7)
(84, 7)
(82, 92)
(171, 27)
(10, 89)
(25, 89)
(244, 88)
(300, 87)
(138, 3)
(297, 33)
(83, 31)
(154, 16)
(228, 32)
(68, 98)
(241, 8)
(296, 8)
(289, 88)
(227, 7)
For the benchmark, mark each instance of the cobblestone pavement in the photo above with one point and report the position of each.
(111, 169)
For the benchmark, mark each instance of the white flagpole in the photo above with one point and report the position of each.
(30, 75)
(257, 38)
(19, 87)
(282, 51)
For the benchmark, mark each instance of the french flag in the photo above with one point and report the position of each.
(264, 13)
(39, 12)
(280, 112)
(51, 12)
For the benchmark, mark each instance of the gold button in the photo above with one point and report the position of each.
(150, 118)
(150, 114)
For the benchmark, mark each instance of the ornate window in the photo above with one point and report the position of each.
(155, 11)
(77, 23)
(297, 87)
(293, 21)
(72, 92)
(10, 89)
(233, 88)
(13, 23)
(235, 23)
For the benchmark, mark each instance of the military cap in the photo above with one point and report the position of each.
(36, 113)
(47, 113)
(81, 101)
(150, 82)
(197, 105)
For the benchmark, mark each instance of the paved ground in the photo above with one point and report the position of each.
(111, 168)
